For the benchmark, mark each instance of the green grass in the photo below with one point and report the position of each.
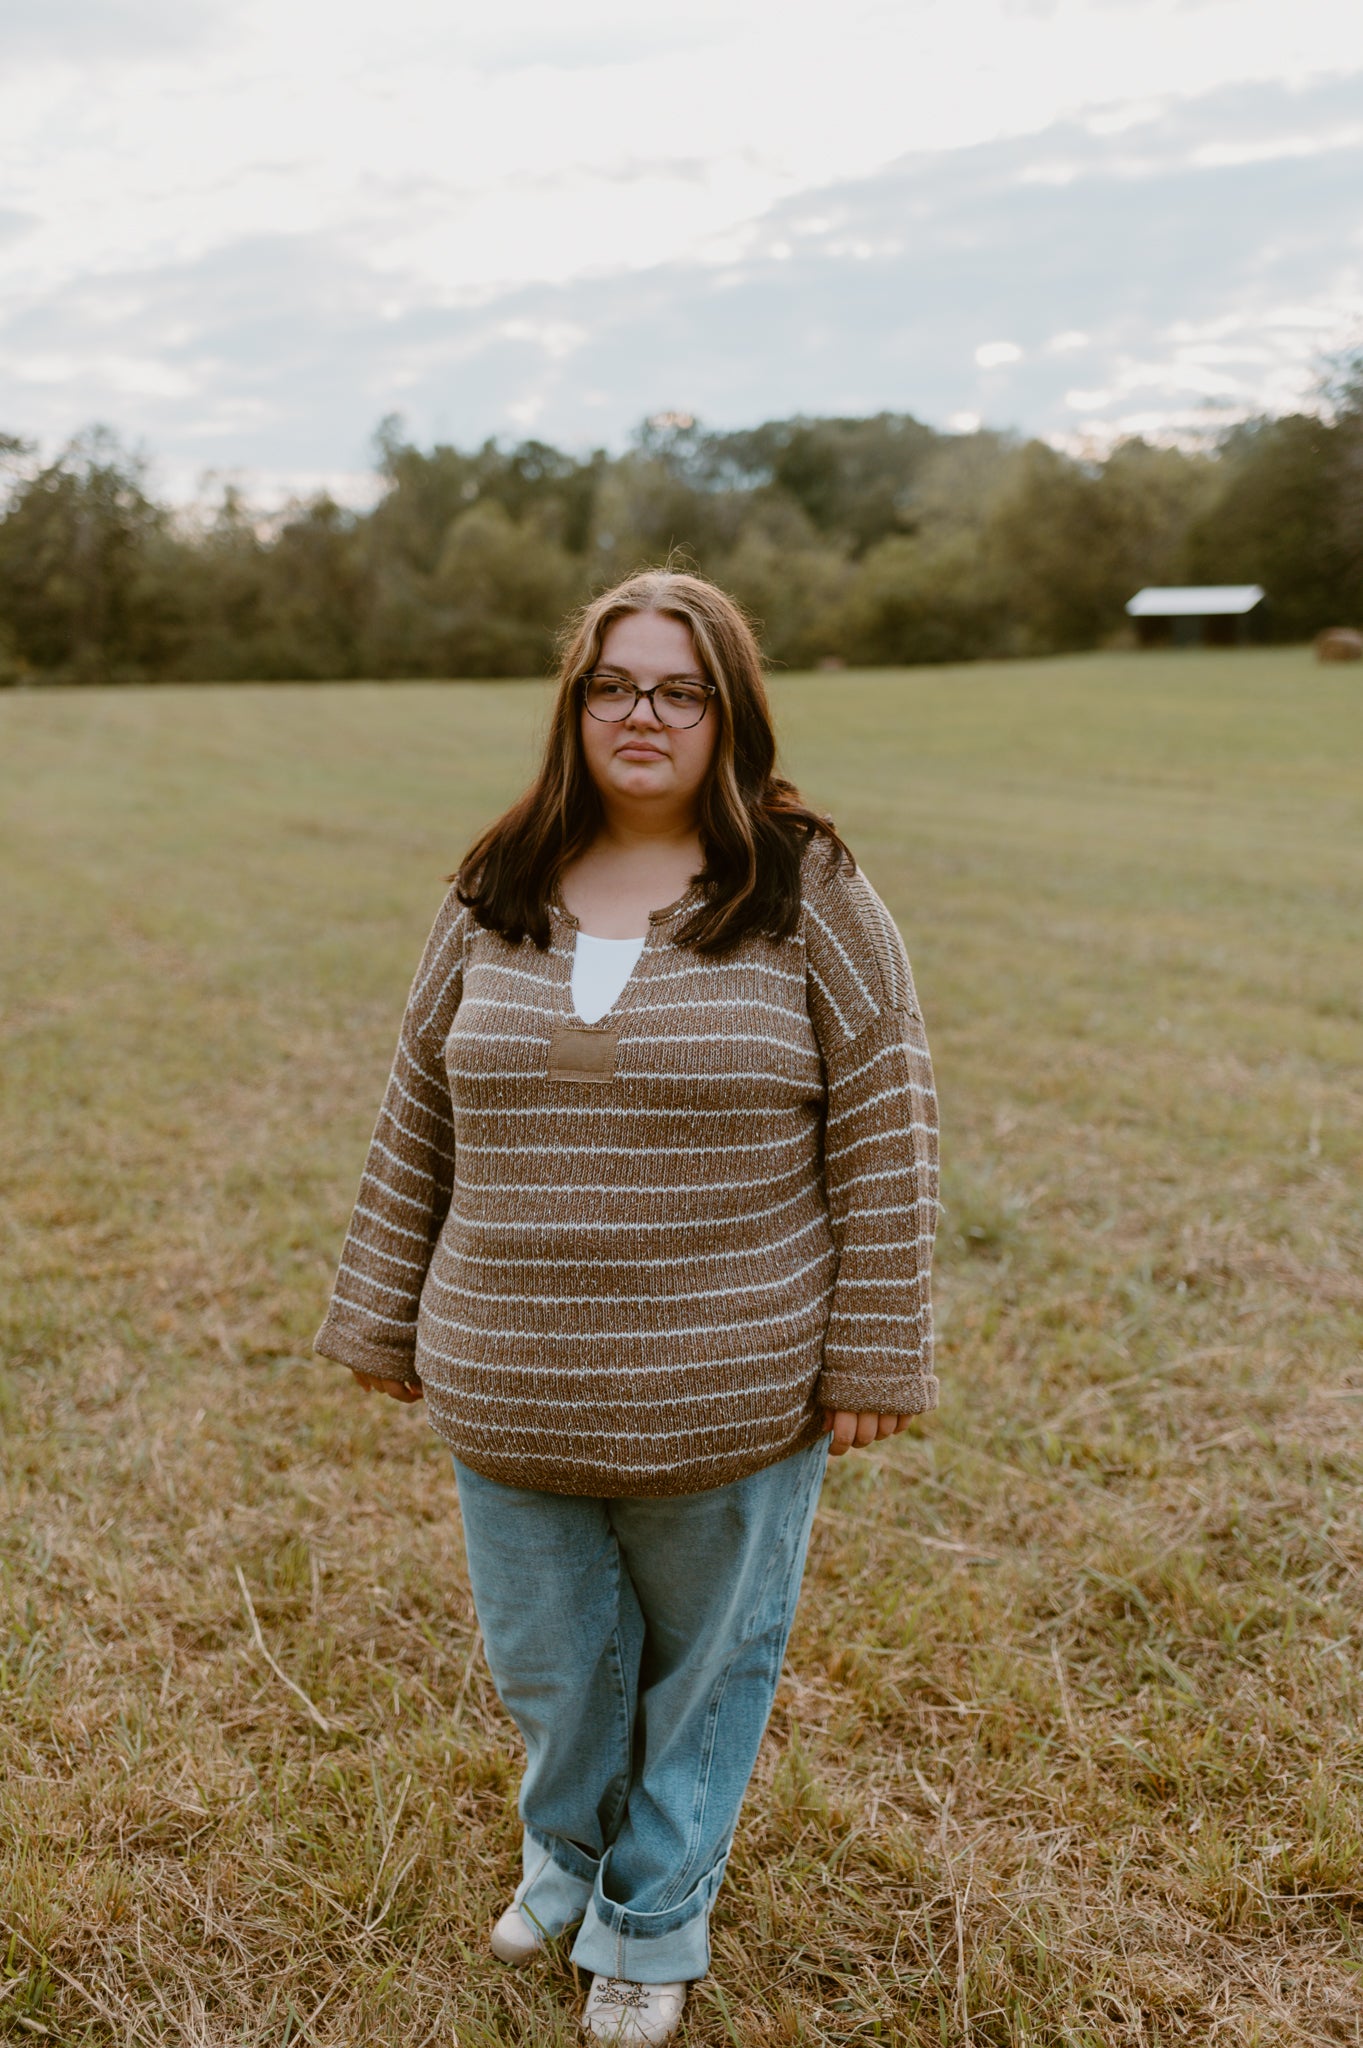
(1068, 1749)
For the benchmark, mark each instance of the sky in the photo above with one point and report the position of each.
(241, 233)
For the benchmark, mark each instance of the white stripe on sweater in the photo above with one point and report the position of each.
(831, 1000)
(374, 1251)
(900, 1172)
(440, 1113)
(417, 1172)
(426, 1144)
(882, 1095)
(671, 1434)
(874, 1000)
(635, 1110)
(467, 1149)
(461, 923)
(368, 1280)
(606, 1224)
(408, 1201)
(895, 1132)
(546, 1452)
(373, 1315)
(866, 1315)
(397, 1229)
(726, 1292)
(880, 1349)
(707, 1077)
(668, 1369)
(816, 1307)
(615, 1263)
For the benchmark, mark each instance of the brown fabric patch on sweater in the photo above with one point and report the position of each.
(577, 1055)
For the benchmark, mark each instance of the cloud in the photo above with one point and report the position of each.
(1175, 281)
(79, 31)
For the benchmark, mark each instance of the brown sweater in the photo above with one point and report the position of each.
(636, 1257)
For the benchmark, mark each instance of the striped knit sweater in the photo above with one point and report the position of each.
(637, 1257)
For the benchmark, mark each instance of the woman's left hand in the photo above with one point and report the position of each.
(398, 1390)
(852, 1432)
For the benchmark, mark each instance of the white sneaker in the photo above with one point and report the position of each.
(515, 1938)
(620, 2011)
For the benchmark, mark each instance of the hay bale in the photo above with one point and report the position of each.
(1339, 643)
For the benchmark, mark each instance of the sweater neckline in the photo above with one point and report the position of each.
(690, 894)
(656, 937)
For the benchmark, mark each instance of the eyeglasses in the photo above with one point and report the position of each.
(679, 702)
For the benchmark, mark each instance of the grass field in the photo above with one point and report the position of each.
(1069, 1746)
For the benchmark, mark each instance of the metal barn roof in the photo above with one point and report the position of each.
(1195, 601)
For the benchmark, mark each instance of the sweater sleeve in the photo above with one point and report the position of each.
(880, 1146)
(408, 1176)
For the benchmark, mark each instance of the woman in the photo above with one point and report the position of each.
(647, 1220)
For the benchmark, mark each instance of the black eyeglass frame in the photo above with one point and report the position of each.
(692, 682)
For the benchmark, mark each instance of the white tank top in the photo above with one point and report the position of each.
(601, 967)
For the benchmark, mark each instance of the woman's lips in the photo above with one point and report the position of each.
(640, 747)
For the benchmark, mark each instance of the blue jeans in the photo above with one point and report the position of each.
(637, 1645)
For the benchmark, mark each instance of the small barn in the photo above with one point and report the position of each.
(1196, 614)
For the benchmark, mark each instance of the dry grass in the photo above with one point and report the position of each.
(1068, 1750)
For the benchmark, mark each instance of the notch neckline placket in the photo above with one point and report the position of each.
(655, 917)
(654, 937)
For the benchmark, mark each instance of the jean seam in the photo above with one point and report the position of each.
(796, 1505)
(625, 1773)
(678, 1887)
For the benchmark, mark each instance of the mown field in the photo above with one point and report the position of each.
(1068, 1749)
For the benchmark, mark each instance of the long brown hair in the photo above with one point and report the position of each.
(754, 825)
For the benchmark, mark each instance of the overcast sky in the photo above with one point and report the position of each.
(241, 232)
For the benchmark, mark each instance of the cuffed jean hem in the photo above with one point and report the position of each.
(670, 1947)
(551, 1898)
(678, 1956)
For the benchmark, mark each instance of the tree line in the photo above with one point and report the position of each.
(864, 541)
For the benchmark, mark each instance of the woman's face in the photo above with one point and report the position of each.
(642, 762)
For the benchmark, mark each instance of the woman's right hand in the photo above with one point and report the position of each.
(853, 1432)
(399, 1390)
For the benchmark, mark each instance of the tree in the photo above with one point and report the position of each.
(918, 599)
(79, 541)
(1284, 516)
(500, 592)
(853, 478)
(316, 593)
(787, 577)
(1346, 394)
(876, 540)
(275, 599)
(1073, 541)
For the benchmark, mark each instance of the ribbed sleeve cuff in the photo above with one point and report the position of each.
(339, 1339)
(869, 1393)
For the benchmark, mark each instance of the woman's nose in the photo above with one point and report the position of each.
(643, 713)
